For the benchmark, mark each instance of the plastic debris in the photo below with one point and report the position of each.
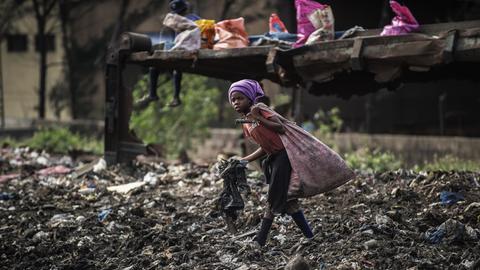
(151, 179)
(352, 31)
(102, 216)
(8, 177)
(178, 225)
(60, 169)
(304, 25)
(4, 196)
(280, 238)
(61, 220)
(100, 166)
(207, 32)
(450, 198)
(451, 232)
(276, 25)
(231, 34)
(323, 21)
(126, 188)
(402, 23)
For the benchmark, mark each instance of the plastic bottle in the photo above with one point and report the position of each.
(276, 25)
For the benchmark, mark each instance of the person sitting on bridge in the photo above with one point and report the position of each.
(167, 36)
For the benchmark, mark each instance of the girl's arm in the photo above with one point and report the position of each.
(272, 123)
(255, 155)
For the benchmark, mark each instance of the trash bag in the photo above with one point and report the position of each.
(231, 34)
(276, 25)
(323, 21)
(450, 198)
(304, 25)
(451, 232)
(402, 23)
(234, 182)
(189, 34)
(207, 33)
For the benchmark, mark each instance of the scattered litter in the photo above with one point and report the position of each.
(403, 23)
(276, 25)
(304, 26)
(280, 238)
(374, 222)
(151, 178)
(297, 263)
(126, 188)
(450, 198)
(451, 232)
(100, 166)
(102, 216)
(8, 177)
(60, 169)
(4, 196)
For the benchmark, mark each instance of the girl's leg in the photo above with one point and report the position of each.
(293, 209)
(266, 224)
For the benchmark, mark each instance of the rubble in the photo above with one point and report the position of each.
(392, 220)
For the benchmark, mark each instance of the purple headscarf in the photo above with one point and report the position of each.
(250, 88)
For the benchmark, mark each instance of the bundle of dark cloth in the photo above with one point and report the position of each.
(234, 183)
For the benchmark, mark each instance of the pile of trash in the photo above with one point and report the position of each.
(315, 23)
(56, 212)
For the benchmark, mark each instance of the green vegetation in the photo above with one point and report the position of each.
(175, 128)
(57, 140)
(449, 163)
(373, 161)
(327, 123)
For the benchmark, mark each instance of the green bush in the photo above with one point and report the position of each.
(62, 140)
(175, 128)
(327, 123)
(8, 142)
(449, 163)
(372, 161)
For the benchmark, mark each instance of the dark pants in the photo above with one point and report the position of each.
(277, 170)
(177, 82)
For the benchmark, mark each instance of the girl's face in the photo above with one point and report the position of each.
(240, 102)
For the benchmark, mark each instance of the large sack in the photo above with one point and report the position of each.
(315, 167)
(231, 34)
(188, 37)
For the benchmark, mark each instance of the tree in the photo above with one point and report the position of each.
(43, 10)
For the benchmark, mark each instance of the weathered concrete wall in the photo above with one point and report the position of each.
(413, 149)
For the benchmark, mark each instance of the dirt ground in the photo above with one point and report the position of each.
(66, 218)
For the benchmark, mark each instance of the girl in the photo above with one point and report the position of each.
(297, 164)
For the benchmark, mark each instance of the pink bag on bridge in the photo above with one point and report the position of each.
(402, 23)
(304, 26)
(231, 34)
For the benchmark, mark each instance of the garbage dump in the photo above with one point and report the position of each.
(167, 217)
